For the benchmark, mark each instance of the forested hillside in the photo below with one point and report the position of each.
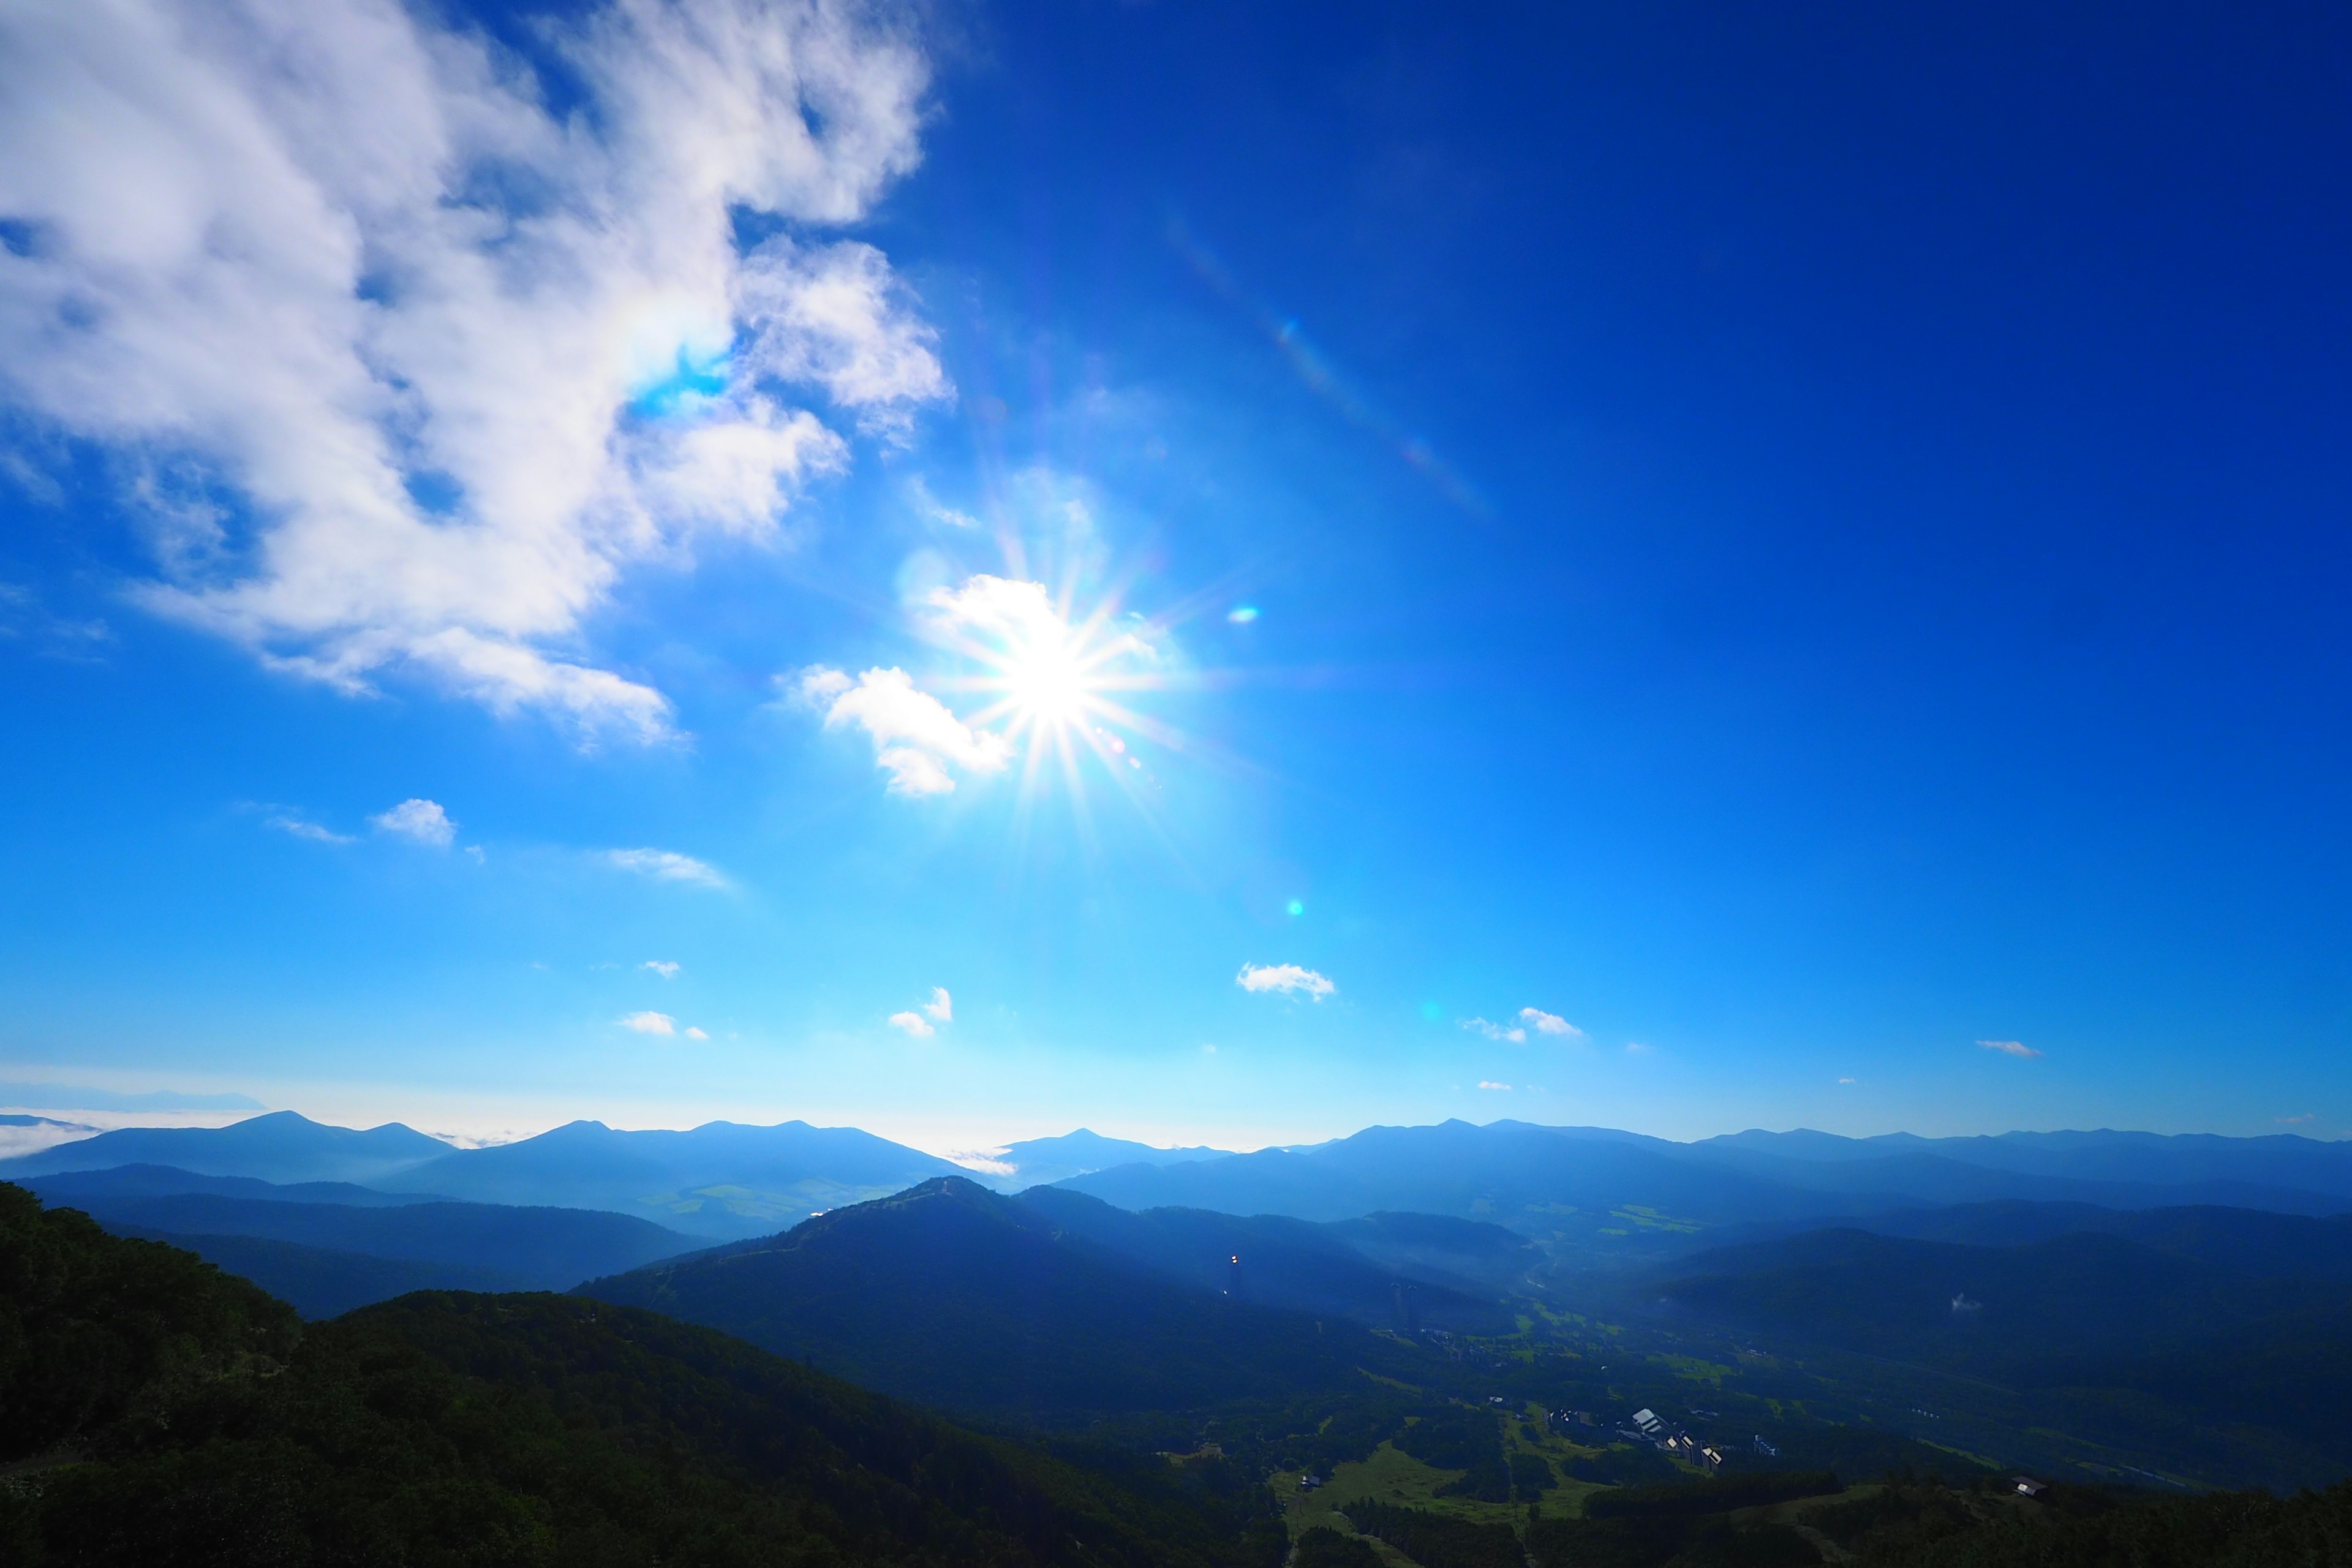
(162, 1411)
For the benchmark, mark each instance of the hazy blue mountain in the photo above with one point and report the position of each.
(2069, 1295)
(2244, 1241)
(73, 1096)
(1041, 1160)
(2282, 1161)
(723, 1180)
(1467, 1255)
(527, 1248)
(1571, 1187)
(1925, 1178)
(279, 1147)
(319, 1281)
(969, 1300)
(2218, 1372)
(1273, 1261)
(79, 1189)
(1596, 1196)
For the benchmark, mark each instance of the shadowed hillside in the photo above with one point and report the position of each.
(949, 1294)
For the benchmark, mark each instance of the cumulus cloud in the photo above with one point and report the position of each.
(1845, 1081)
(662, 967)
(696, 1033)
(1494, 1031)
(1288, 978)
(303, 828)
(1483, 1083)
(648, 1023)
(916, 738)
(421, 820)
(666, 866)
(1544, 1023)
(2010, 1047)
(407, 367)
(941, 1007)
(915, 1024)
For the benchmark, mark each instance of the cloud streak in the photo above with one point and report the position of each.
(404, 369)
(666, 866)
(1288, 979)
(2010, 1047)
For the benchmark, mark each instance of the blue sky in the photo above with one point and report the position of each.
(1758, 548)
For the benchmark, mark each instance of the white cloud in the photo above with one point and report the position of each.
(666, 866)
(648, 1023)
(303, 828)
(422, 820)
(2010, 1047)
(916, 737)
(1845, 1081)
(935, 510)
(1544, 1023)
(941, 1007)
(296, 265)
(662, 967)
(915, 1024)
(1483, 1083)
(1288, 978)
(1635, 1048)
(696, 1033)
(1495, 1031)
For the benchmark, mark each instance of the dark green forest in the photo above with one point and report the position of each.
(160, 1410)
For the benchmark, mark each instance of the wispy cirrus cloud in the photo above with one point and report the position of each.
(408, 367)
(2010, 1047)
(1494, 1031)
(666, 866)
(1484, 1083)
(1288, 979)
(300, 826)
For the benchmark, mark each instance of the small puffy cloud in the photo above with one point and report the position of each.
(1636, 1047)
(662, 967)
(665, 866)
(422, 821)
(648, 1023)
(303, 828)
(1484, 1083)
(1845, 1081)
(1544, 1023)
(916, 738)
(915, 1025)
(2010, 1047)
(1288, 978)
(696, 1033)
(1496, 1031)
(941, 1007)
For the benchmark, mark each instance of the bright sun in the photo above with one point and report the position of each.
(1046, 679)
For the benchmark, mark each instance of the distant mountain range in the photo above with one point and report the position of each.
(1042, 1160)
(327, 1247)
